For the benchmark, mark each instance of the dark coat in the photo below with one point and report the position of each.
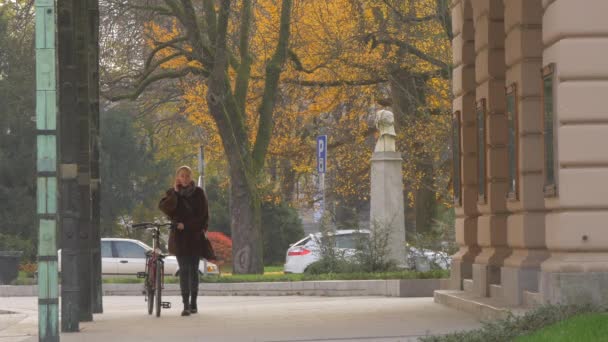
(193, 212)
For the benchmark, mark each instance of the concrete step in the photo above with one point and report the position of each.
(532, 299)
(496, 291)
(467, 285)
(482, 308)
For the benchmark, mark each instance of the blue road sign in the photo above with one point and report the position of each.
(321, 153)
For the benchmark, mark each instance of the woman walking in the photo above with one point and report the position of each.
(186, 206)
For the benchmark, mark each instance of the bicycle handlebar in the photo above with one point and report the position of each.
(150, 224)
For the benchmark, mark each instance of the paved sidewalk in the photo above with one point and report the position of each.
(270, 319)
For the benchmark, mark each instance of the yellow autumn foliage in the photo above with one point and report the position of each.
(335, 45)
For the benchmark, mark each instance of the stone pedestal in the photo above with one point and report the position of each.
(387, 200)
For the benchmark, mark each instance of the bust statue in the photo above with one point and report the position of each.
(385, 123)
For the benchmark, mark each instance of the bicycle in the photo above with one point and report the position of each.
(154, 272)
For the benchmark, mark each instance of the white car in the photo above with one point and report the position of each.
(425, 259)
(128, 257)
(306, 251)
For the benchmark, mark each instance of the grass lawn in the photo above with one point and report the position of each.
(583, 328)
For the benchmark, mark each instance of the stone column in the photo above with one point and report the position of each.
(465, 203)
(575, 35)
(387, 200)
(490, 94)
(526, 224)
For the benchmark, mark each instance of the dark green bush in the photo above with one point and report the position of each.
(9, 242)
(281, 226)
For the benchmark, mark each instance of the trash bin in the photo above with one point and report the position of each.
(9, 266)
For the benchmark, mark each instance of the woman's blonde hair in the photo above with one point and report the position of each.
(183, 168)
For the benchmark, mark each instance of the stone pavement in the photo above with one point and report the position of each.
(269, 319)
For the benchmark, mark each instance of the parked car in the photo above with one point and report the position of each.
(306, 251)
(128, 257)
(425, 259)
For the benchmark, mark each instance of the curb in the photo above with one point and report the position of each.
(482, 308)
(331, 288)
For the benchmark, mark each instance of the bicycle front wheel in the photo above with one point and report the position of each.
(159, 286)
(150, 279)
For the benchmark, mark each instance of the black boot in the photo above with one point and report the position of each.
(186, 311)
(193, 307)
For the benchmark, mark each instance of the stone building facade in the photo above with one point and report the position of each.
(530, 87)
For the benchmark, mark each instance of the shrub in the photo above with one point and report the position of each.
(217, 194)
(331, 260)
(29, 268)
(9, 242)
(281, 226)
(373, 252)
(440, 238)
(514, 326)
(222, 245)
(325, 266)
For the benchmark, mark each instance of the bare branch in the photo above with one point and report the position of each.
(408, 19)
(298, 63)
(161, 46)
(335, 83)
(141, 87)
(414, 51)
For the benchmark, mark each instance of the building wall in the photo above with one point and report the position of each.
(575, 39)
(551, 239)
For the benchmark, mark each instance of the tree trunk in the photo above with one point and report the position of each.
(246, 224)
(426, 203)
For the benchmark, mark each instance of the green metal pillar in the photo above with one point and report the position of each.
(46, 125)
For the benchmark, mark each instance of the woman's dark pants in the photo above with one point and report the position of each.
(188, 278)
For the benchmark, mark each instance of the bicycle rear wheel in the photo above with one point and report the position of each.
(159, 286)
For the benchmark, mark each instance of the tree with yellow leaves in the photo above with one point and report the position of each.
(211, 42)
(345, 54)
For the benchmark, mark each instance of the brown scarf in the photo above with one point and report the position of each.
(187, 191)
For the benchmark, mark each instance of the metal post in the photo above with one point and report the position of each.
(83, 160)
(69, 140)
(46, 125)
(201, 167)
(93, 86)
(323, 205)
(322, 168)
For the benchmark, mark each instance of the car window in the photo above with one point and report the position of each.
(106, 249)
(128, 249)
(349, 240)
(302, 242)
